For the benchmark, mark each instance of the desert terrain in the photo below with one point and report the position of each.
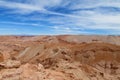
(63, 57)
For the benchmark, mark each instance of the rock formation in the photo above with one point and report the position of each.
(60, 58)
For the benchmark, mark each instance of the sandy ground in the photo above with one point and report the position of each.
(64, 57)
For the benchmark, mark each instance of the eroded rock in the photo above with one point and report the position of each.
(10, 64)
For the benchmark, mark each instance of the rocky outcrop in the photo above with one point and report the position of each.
(29, 53)
(59, 58)
(10, 64)
(31, 72)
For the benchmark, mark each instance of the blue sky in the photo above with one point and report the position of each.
(51, 17)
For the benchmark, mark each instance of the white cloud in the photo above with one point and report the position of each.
(80, 4)
(20, 23)
(77, 22)
(31, 6)
(109, 19)
(18, 5)
(44, 3)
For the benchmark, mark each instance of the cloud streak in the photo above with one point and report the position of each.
(66, 16)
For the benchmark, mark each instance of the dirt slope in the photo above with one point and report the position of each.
(91, 38)
(60, 58)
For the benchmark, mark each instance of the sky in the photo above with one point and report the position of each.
(58, 17)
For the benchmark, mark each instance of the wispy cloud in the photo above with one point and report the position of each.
(20, 23)
(67, 16)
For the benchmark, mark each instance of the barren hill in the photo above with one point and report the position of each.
(64, 57)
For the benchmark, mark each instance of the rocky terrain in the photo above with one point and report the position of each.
(65, 57)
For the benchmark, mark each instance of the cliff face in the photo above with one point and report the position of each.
(60, 58)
